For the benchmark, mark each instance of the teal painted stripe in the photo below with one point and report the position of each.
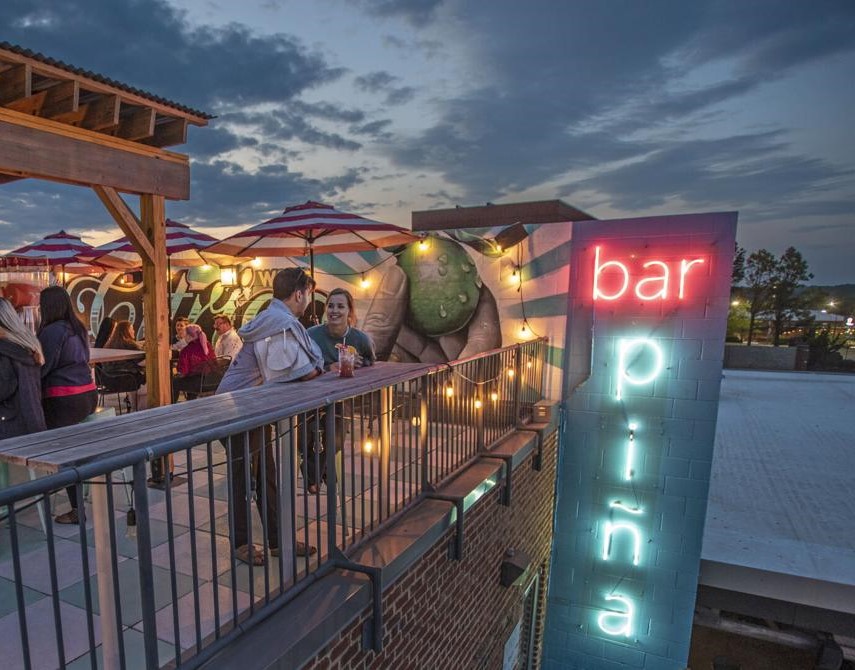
(555, 356)
(547, 262)
(333, 265)
(554, 305)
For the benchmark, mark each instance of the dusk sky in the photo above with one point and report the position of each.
(381, 107)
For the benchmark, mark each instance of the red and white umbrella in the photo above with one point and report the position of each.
(183, 245)
(61, 249)
(312, 228)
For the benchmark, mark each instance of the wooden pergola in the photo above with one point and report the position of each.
(65, 124)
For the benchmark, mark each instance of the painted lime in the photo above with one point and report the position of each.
(444, 287)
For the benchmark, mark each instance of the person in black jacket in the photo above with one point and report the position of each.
(68, 391)
(20, 379)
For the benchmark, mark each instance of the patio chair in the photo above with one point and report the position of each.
(118, 381)
(211, 379)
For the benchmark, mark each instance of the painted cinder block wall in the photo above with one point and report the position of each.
(443, 613)
(603, 610)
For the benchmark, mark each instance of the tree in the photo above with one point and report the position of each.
(791, 270)
(738, 272)
(759, 279)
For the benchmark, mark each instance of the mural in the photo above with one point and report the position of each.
(451, 295)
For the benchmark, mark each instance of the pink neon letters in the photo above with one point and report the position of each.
(654, 285)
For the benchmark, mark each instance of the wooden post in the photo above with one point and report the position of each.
(155, 308)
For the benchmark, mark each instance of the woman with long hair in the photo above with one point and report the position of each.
(68, 392)
(124, 337)
(338, 331)
(21, 359)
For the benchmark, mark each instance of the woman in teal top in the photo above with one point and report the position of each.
(338, 330)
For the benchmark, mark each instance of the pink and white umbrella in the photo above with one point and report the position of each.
(183, 245)
(312, 228)
(62, 249)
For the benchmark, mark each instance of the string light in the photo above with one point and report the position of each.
(449, 390)
(255, 262)
(424, 244)
(364, 283)
(516, 278)
(368, 446)
(494, 396)
(510, 373)
(478, 403)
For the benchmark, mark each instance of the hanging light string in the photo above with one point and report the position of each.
(525, 323)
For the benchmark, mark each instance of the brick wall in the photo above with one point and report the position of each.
(444, 613)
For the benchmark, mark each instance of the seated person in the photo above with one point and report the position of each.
(228, 342)
(337, 332)
(196, 359)
(104, 332)
(180, 342)
(123, 337)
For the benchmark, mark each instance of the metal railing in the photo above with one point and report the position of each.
(169, 576)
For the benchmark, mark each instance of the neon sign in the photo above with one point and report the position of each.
(640, 361)
(647, 288)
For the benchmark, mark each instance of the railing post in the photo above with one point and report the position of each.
(480, 441)
(385, 447)
(146, 570)
(330, 443)
(423, 431)
(517, 383)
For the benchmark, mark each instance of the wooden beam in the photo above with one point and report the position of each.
(6, 178)
(46, 149)
(61, 98)
(32, 104)
(126, 220)
(168, 133)
(16, 83)
(137, 125)
(54, 72)
(155, 308)
(102, 113)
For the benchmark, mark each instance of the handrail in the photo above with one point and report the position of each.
(425, 425)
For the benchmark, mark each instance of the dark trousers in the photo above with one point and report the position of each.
(260, 440)
(68, 410)
(315, 460)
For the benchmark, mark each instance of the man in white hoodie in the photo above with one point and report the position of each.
(276, 349)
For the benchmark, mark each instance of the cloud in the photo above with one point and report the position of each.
(594, 82)
(417, 12)
(148, 44)
(382, 82)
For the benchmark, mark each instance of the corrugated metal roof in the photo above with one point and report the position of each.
(94, 76)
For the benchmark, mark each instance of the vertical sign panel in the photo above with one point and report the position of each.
(647, 317)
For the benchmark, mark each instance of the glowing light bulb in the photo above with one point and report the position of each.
(416, 421)
(368, 446)
(255, 262)
(365, 282)
(449, 391)
(494, 396)
(478, 403)
(516, 278)
(424, 244)
(524, 328)
(510, 373)
(528, 364)
(206, 267)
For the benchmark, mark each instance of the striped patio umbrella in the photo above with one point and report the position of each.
(183, 245)
(313, 228)
(310, 228)
(62, 249)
